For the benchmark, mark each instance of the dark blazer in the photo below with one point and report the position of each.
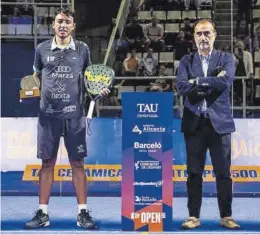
(216, 91)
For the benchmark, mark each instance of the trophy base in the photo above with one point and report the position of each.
(29, 94)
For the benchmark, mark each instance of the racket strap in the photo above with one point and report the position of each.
(89, 116)
(89, 131)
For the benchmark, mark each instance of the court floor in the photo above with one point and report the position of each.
(15, 211)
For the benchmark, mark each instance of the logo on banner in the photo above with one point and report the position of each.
(149, 217)
(156, 184)
(147, 110)
(152, 217)
(137, 130)
(148, 129)
(112, 173)
(147, 147)
(147, 165)
(146, 200)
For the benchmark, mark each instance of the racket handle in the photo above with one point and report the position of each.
(97, 97)
(91, 109)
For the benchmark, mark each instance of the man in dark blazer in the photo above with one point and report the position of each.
(205, 79)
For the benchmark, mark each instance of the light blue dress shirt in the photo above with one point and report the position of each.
(205, 65)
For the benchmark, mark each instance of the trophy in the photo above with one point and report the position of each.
(29, 87)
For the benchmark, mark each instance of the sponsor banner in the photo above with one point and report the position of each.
(19, 142)
(238, 173)
(18, 151)
(147, 187)
(246, 142)
(113, 173)
(64, 172)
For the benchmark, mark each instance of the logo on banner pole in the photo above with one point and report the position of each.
(149, 128)
(137, 165)
(148, 165)
(147, 110)
(147, 201)
(137, 130)
(156, 184)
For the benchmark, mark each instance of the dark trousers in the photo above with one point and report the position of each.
(220, 151)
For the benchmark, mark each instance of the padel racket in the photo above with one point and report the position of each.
(98, 77)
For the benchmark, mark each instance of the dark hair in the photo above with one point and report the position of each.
(66, 11)
(204, 20)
